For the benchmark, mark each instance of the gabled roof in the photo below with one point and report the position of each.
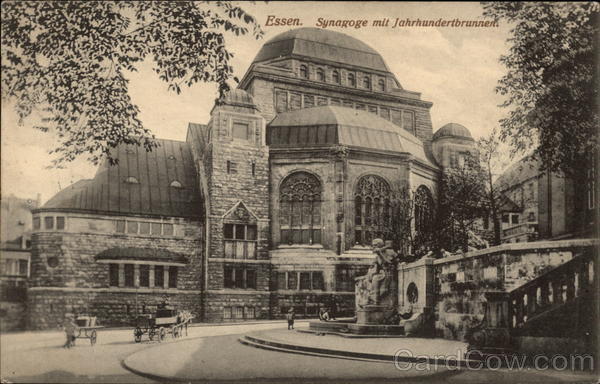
(506, 204)
(141, 183)
(320, 44)
(329, 125)
(519, 172)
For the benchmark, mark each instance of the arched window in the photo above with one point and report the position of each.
(176, 184)
(335, 76)
(351, 80)
(423, 210)
(367, 82)
(320, 74)
(131, 180)
(372, 205)
(381, 85)
(300, 209)
(304, 71)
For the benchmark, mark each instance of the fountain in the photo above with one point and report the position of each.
(377, 311)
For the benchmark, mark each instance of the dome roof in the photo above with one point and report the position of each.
(453, 130)
(320, 44)
(239, 97)
(331, 125)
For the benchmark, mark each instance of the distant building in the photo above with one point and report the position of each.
(272, 204)
(15, 248)
(541, 205)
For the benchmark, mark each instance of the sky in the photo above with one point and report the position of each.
(455, 68)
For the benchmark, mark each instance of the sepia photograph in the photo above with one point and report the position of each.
(299, 192)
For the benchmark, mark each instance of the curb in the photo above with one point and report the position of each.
(350, 335)
(335, 353)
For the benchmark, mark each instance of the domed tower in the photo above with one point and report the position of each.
(307, 67)
(343, 135)
(451, 143)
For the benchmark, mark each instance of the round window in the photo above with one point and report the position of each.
(412, 293)
(53, 262)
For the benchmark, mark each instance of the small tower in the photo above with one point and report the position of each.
(237, 171)
(451, 143)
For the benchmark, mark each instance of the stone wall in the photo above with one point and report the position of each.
(66, 275)
(456, 285)
(339, 273)
(255, 304)
(47, 307)
(306, 305)
(13, 316)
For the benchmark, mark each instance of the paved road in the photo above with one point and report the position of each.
(207, 354)
(39, 356)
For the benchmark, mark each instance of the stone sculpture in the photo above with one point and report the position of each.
(377, 285)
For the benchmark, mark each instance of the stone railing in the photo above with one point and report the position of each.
(556, 288)
(519, 229)
(459, 283)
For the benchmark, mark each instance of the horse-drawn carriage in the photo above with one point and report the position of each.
(158, 325)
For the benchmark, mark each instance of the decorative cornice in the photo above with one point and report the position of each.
(256, 72)
(139, 290)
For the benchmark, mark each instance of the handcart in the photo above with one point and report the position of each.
(87, 328)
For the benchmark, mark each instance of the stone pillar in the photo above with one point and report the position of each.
(136, 275)
(419, 273)
(121, 275)
(329, 277)
(416, 293)
(151, 276)
(166, 275)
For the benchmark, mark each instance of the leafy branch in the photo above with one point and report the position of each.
(69, 61)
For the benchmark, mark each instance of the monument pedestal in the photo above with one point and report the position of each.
(371, 314)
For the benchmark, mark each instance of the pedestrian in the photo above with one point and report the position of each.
(70, 327)
(323, 314)
(333, 308)
(290, 316)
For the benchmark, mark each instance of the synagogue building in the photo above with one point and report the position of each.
(269, 205)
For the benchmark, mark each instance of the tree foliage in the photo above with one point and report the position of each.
(463, 197)
(406, 238)
(401, 218)
(551, 86)
(491, 162)
(68, 61)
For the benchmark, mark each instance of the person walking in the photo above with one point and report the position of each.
(70, 327)
(290, 316)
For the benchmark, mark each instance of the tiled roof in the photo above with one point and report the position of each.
(521, 171)
(453, 130)
(141, 183)
(329, 125)
(316, 43)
